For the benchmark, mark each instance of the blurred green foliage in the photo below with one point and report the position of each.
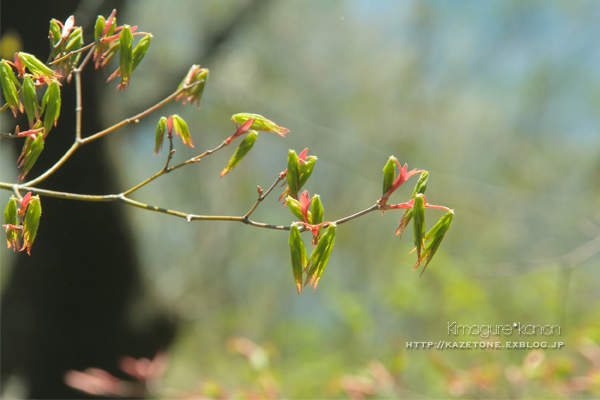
(498, 100)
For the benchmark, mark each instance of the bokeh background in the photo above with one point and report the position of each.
(497, 100)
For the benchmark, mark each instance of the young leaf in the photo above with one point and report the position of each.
(99, 28)
(317, 210)
(446, 220)
(419, 222)
(31, 151)
(320, 256)
(306, 170)
(293, 174)
(421, 184)
(260, 123)
(419, 188)
(8, 78)
(74, 42)
(161, 128)
(31, 223)
(294, 206)
(51, 106)
(12, 219)
(389, 174)
(194, 94)
(181, 129)
(317, 217)
(125, 56)
(298, 253)
(241, 151)
(32, 108)
(54, 35)
(37, 67)
(140, 50)
(436, 234)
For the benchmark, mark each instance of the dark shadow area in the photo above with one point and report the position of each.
(68, 305)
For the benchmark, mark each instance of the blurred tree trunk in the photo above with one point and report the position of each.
(68, 305)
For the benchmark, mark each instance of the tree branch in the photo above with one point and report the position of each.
(122, 198)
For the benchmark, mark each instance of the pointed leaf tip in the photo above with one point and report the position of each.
(298, 255)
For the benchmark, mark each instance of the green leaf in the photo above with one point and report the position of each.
(54, 34)
(293, 174)
(74, 43)
(260, 123)
(31, 223)
(10, 212)
(421, 184)
(8, 78)
(75, 40)
(181, 129)
(241, 151)
(317, 213)
(195, 75)
(298, 254)
(125, 54)
(11, 217)
(32, 108)
(113, 26)
(294, 206)
(436, 234)
(109, 54)
(161, 128)
(445, 221)
(306, 170)
(320, 256)
(37, 67)
(31, 151)
(407, 216)
(51, 106)
(419, 222)
(140, 50)
(99, 27)
(316, 210)
(389, 174)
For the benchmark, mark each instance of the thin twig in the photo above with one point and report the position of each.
(168, 169)
(122, 198)
(56, 166)
(16, 191)
(261, 196)
(58, 195)
(84, 62)
(171, 152)
(78, 107)
(136, 119)
(198, 158)
(358, 214)
(84, 48)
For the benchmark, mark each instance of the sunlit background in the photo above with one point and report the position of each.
(497, 100)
